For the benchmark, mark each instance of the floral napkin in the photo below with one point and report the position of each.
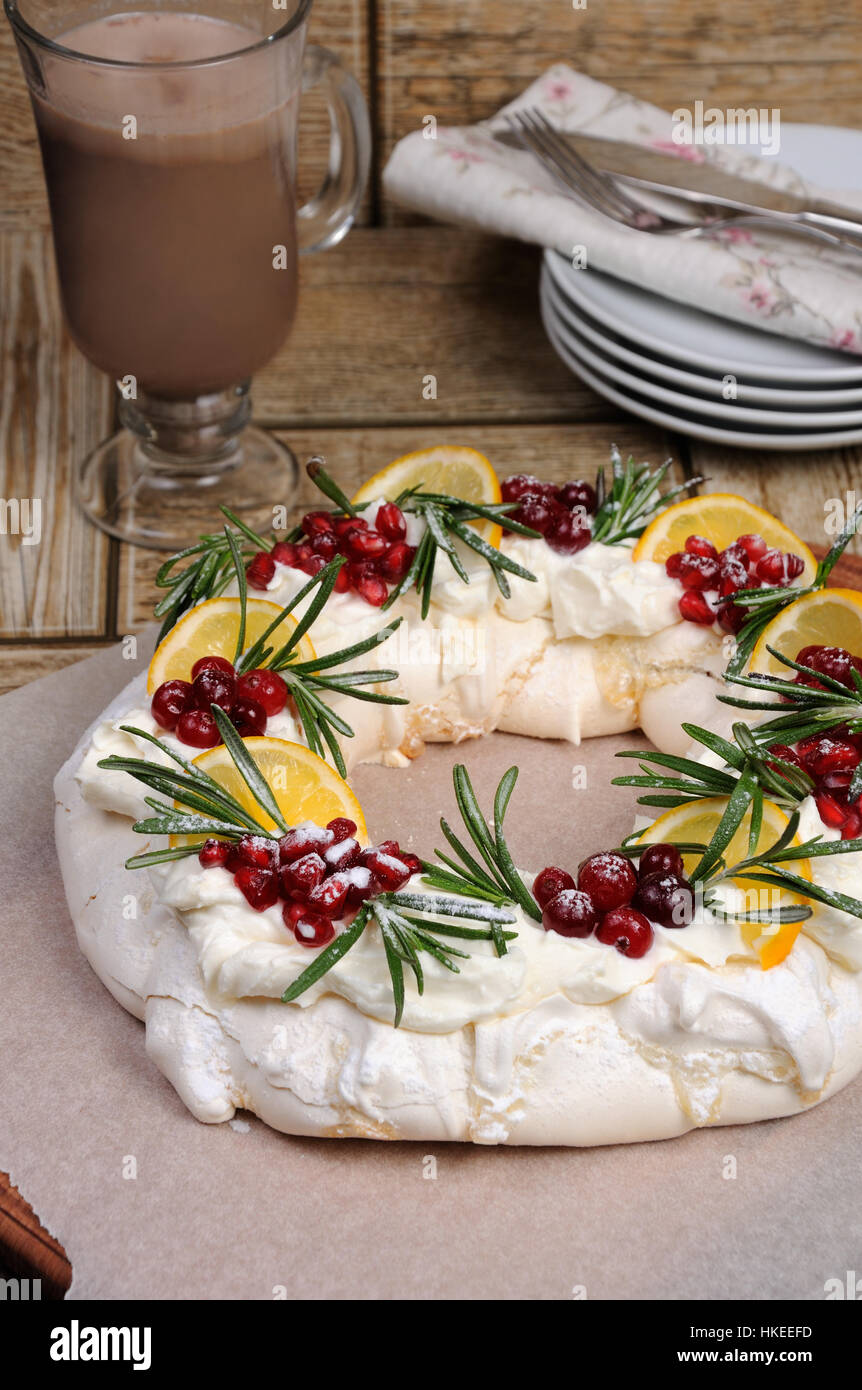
(800, 288)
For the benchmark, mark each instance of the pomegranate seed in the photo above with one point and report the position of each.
(387, 847)
(699, 545)
(665, 898)
(298, 878)
(330, 896)
(315, 523)
(732, 617)
(733, 576)
(304, 553)
(609, 879)
(198, 728)
(832, 755)
(363, 569)
(343, 582)
(579, 494)
(361, 886)
(699, 572)
(341, 828)
(312, 929)
(212, 687)
(325, 545)
(213, 663)
(388, 871)
(831, 812)
(549, 883)
(213, 852)
(755, 547)
(778, 568)
(373, 590)
(852, 827)
(626, 929)
(342, 524)
(413, 862)
(365, 545)
(248, 717)
(302, 839)
(312, 565)
(343, 854)
(837, 782)
(568, 533)
(260, 570)
(673, 564)
(570, 913)
(252, 852)
(259, 887)
(265, 687)
(660, 859)
(285, 553)
(735, 554)
(787, 755)
(292, 911)
(695, 609)
(171, 700)
(390, 522)
(396, 562)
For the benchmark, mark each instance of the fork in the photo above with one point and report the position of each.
(599, 191)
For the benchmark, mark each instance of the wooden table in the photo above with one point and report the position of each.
(395, 303)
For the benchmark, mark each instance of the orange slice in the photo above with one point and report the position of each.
(720, 517)
(211, 629)
(450, 468)
(828, 618)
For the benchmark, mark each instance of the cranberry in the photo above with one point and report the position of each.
(549, 883)
(213, 687)
(537, 511)
(171, 700)
(388, 869)
(365, 545)
(213, 663)
(776, 567)
(579, 494)
(567, 534)
(570, 913)
(198, 728)
(699, 572)
(213, 852)
(829, 661)
(699, 545)
(390, 522)
(831, 812)
(695, 608)
(660, 859)
(316, 523)
(755, 547)
(298, 878)
(517, 485)
(260, 570)
(251, 851)
(312, 929)
(285, 553)
(248, 717)
(627, 930)
(302, 839)
(259, 887)
(609, 879)
(330, 896)
(341, 827)
(394, 565)
(373, 590)
(265, 687)
(665, 898)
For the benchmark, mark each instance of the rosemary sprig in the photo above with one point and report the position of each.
(211, 568)
(633, 499)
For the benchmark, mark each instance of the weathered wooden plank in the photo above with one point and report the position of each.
(393, 315)
(54, 409)
(342, 25)
(558, 452)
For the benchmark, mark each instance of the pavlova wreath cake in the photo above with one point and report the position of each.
(704, 969)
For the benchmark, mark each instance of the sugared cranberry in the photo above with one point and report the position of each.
(388, 870)
(259, 887)
(699, 572)
(198, 728)
(776, 567)
(695, 608)
(373, 590)
(302, 839)
(609, 879)
(568, 533)
(549, 883)
(660, 859)
(214, 687)
(284, 552)
(329, 897)
(538, 511)
(394, 565)
(251, 852)
(834, 662)
(213, 663)
(298, 878)
(260, 570)
(517, 485)
(570, 913)
(665, 898)
(316, 523)
(313, 929)
(266, 687)
(212, 853)
(248, 717)
(579, 494)
(626, 929)
(342, 827)
(699, 545)
(390, 522)
(170, 701)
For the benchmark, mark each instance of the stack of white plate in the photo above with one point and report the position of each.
(698, 374)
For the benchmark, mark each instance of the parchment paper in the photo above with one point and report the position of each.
(241, 1211)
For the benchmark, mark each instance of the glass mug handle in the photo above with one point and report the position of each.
(327, 217)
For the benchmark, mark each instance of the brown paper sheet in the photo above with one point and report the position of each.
(241, 1212)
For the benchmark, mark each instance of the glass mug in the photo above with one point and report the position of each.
(168, 142)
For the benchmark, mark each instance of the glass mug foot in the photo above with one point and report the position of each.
(161, 480)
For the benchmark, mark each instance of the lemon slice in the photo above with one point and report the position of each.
(450, 468)
(210, 629)
(720, 517)
(304, 786)
(828, 618)
(696, 823)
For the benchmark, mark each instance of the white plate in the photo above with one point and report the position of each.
(692, 425)
(704, 341)
(612, 345)
(730, 412)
